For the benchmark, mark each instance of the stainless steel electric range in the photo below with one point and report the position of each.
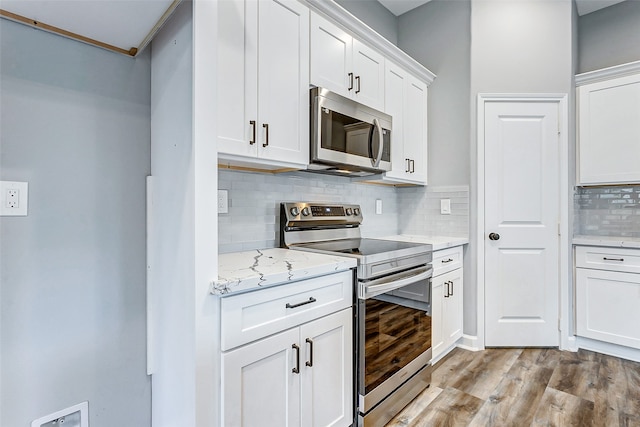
(392, 301)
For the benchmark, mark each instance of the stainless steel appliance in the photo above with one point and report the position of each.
(348, 138)
(391, 299)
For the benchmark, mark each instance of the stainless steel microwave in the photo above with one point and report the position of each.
(348, 138)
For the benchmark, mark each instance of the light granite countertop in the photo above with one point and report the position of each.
(613, 242)
(251, 270)
(438, 242)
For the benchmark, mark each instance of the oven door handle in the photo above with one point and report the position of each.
(380, 286)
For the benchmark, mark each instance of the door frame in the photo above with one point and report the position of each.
(564, 303)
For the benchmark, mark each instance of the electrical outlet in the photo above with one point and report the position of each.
(74, 416)
(13, 198)
(223, 201)
(378, 206)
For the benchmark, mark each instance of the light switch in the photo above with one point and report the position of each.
(445, 206)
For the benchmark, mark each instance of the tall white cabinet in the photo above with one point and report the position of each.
(263, 83)
(609, 125)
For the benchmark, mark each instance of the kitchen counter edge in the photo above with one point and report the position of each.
(612, 242)
(260, 268)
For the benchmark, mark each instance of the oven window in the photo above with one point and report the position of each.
(395, 334)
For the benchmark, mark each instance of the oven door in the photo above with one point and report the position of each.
(394, 333)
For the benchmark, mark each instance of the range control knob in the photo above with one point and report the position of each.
(306, 211)
(356, 211)
(349, 211)
(295, 211)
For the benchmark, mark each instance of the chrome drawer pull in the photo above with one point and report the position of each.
(444, 261)
(613, 259)
(311, 299)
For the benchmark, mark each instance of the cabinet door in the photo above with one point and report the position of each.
(237, 77)
(259, 387)
(327, 371)
(394, 105)
(609, 131)
(415, 129)
(607, 306)
(437, 313)
(283, 81)
(452, 319)
(368, 67)
(331, 57)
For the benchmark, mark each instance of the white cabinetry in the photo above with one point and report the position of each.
(263, 89)
(297, 370)
(609, 126)
(345, 65)
(406, 102)
(608, 295)
(446, 311)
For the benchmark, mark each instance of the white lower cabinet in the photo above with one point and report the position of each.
(302, 376)
(608, 295)
(446, 301)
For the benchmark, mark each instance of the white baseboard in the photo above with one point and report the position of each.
(608, 348)
(469, 342)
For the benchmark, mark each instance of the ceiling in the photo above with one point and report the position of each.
(124, 26)
(398, 7)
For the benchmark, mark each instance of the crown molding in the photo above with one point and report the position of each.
(607, 73)
(366, 34)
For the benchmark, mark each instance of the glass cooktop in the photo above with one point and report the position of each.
(363, 247)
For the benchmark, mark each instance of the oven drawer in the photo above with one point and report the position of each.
(612, 259)
(446, 260)
(254, 315)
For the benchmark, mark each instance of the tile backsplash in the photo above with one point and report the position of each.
(421, 211)
(253, 220)
(607, 211)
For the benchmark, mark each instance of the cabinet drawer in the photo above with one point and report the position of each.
(260, 313)
(613, 259)
(446, 260)
(607, 306)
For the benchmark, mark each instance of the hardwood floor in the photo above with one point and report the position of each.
(527, 387)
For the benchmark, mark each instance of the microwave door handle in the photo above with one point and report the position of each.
(378, 129)
(371, 289)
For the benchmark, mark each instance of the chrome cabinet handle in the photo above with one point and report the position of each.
(451, 294)
(413, 166)
(296, 370)
(613, 259)
(358, 81)
(266, 127)
(447, 294)
(253, 132)
(309, 363)
(408, 167)
(309, 301)
(350, 81)
(444, 261)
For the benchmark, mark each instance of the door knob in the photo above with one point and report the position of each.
(494, 236)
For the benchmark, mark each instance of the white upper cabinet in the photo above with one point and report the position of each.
(263, 90)
(406, 102)
(609, 126)
(344, 65)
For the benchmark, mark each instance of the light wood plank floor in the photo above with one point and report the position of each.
(527, 387)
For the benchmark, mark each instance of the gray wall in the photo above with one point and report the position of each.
(438, 35)
(75, 125)
(375, 16)
(610, 36)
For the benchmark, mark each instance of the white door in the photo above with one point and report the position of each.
(415, 127)
(327, 371)
(522, 216)
(259, 387)
(283, 81)
(368, 67)
(331, 56)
